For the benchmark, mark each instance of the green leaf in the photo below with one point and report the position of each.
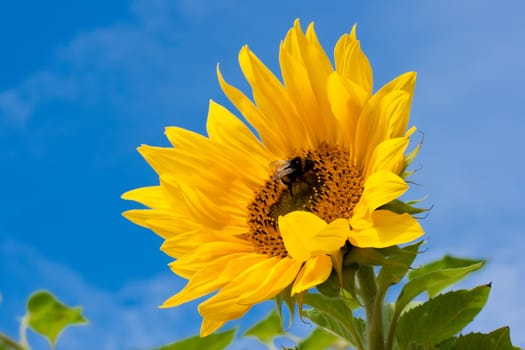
(441, 317)
(290, 301)
(215, 341)
(49, 317)
(446, 263)
(374, 256)
(434, 281)
(399, 207)
(496, 340)
(267, 329)
(338, 327)
(397, 266)
(334, 315)
(447, 344)
(349, 275)
(318, 339)
(363, 256)
(331, 287)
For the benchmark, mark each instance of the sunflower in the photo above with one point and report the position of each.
(247, 215)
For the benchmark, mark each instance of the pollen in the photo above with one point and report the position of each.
(330, 189)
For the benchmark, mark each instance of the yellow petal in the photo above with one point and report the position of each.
(305, 234)
(198, 153)
(271, 136)
(380, 188)
(224, 306)
(347, 100)
(202, 207)
(159, 158)
(138, 216)
(151, 196)
(388, 156)
(208, 326)
(141, 216)
(225, 128)
(225, 194)
(298, 229)
(188, 265)
(308, 50)
(331, 238)
(374, 125)
(243, 284)
(299, 88)
(405, 82)
(314, 272)
(388, 229)
(352, 63)
(272, 100)
(178, 245)
(279, 277)
(214, 276)
(211, 323)
(208, 168)
(318, 64)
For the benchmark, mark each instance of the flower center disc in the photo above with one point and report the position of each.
(323, 181)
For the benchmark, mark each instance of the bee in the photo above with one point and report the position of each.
(292, 170)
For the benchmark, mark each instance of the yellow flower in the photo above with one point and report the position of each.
(249, 215)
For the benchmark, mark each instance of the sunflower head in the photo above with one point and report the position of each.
(250, 215)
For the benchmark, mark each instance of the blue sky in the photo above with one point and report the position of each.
(81, 86)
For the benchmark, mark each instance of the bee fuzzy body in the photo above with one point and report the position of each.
(292, 171)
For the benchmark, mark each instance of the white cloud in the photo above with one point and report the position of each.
(127, 66)
(13, 108)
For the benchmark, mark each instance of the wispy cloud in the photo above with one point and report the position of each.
(129, 65)
(128, 318)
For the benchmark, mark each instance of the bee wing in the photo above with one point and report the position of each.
(280, 168)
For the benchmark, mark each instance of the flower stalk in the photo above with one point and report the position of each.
(373, 299)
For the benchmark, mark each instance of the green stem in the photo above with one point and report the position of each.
(23, 333)
(391, 331)
(378, 335)
(374, 307)
(10, 342)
